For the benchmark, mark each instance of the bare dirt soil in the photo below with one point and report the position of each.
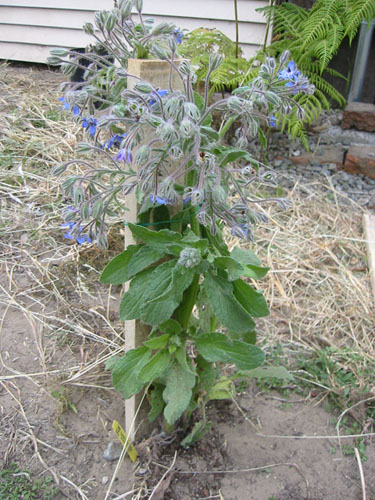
(57, 327)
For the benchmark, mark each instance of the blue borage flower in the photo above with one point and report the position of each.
(115, 140)
(272, 121)
(178, 34)
(66, 106)
(161, 93)
(157, 199)
(289, 73)
(80, 239)
(124, 155)
(90, 124)
(241, 231)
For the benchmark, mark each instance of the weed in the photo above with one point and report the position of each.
(16, 484)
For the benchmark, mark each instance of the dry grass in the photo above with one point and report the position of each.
(318, 287)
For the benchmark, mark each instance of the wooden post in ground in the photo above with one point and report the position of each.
(369, 228)
(157, 73)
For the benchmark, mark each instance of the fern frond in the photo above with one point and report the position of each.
(287, 18)
(326, 8)
(360, 10)
(322, 85)
(322, 99)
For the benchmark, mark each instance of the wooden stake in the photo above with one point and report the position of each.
(369, 228)
(157, 73)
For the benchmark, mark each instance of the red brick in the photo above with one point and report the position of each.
(361, 160)
(360, 115)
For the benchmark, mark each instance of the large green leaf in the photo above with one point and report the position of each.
(252, 300)
(132, 304)
(126, 369)
(181, 280)
(217, 347)
(250, 262)
(146, 256)
(177, 393)
(116, 271)
(133, 260)
(156, 239)
(228, 310)
(156, 401)
(155, 367)
(233, 154)
(157, 342)
(235, 270)
(154, 294)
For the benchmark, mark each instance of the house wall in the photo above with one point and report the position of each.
(30, 28)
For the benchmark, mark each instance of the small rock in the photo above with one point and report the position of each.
(113, 451)
(296, 153)
(105, 479)
(277, 163)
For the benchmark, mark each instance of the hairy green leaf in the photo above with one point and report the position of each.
(157, 342)
(156, 401)
(250, 299)
(217, 347)
(178, 392)
(235, 270)
(228, 310)
(198, 431)
(154, 368)
(125, 371)
(116, 272)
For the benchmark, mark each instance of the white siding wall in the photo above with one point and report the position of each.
(30, 28)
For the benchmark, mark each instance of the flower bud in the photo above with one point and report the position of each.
(163, 29)
(172, 44)
(271, 63)
(172, 107)
(187, 128)
(102, 241)
(125, 7)
(88, 28)
(142, 156)
(59, 169)
(219, 195)
(166, 131)
(175, 152)
(160, 52)
(54, 60)
(144, 87)
(192, 111)
(78, 196)
(189, 257)
(59, 52)
(284, 57)
(111, 20)
(99, 20)
(235, 103)
(84, 211)
(97, 209)
(68, 184)
(139, 5)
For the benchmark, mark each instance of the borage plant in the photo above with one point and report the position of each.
(193, 293)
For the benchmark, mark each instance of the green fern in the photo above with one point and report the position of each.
(312, 37)
(359, 10)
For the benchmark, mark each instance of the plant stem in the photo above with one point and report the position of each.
(237, 30)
